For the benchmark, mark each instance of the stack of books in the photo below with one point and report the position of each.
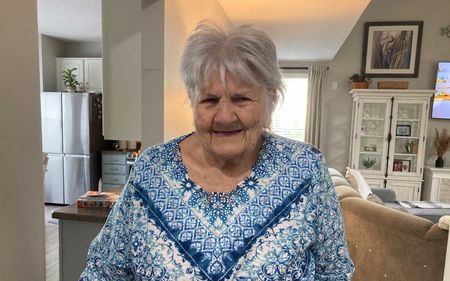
(95, 199)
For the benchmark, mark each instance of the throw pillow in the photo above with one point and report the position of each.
(375, 199)
(340, 181)
(358, 182)
(334, 172)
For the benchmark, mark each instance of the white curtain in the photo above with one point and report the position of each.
(316, 75)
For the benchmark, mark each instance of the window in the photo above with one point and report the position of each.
(289, 118)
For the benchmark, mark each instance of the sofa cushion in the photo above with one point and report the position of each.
(334, 172)
(358, 182)
(344, 191)
(340, 181)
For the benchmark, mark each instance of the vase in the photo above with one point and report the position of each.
(439, 162)
(70, 89)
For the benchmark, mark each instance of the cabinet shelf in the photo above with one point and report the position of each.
(372, 119)
(371, 136)
(370, 152)
(408, 120)
(405, 154)
(402, 137)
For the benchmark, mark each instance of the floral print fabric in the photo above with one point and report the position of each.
(283, 222)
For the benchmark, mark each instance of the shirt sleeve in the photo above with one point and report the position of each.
(108, 256)
(332, 258)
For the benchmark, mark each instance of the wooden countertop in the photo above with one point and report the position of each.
(72, 212)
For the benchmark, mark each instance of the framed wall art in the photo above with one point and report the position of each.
(392, 49)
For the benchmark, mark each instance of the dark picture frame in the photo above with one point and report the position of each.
(406, 165)
(397, 166)
(403, 130)
(401, 165)
(392, 49)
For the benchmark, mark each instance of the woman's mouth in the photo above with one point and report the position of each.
(227, 133)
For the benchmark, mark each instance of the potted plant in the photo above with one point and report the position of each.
(70, 80)
(441, 145)
(360, 81)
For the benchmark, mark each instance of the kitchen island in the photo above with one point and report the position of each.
(77, 228)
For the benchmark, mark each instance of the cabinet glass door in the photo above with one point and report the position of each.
(372, 136)
(406, 133)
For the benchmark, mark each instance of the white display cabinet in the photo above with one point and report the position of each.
(388, 138)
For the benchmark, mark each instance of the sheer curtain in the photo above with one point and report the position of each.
(316, 75)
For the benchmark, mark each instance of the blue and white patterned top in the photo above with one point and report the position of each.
(283, 222)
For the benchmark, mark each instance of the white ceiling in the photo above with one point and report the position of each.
(69, 20)
(301, 29)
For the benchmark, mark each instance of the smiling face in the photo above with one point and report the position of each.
(229, 119)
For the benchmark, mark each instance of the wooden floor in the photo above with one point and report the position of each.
(51, 244)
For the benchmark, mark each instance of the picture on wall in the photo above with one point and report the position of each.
(392, 49)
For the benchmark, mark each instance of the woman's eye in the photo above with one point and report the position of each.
(209, 100)
(241, 99)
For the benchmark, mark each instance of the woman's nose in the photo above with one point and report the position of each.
(225, 113)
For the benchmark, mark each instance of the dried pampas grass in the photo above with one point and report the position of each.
(441, 142)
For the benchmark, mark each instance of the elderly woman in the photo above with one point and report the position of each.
(230, 201)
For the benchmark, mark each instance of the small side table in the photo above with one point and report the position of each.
(436, 184)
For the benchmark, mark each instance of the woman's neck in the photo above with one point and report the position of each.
(214, 173)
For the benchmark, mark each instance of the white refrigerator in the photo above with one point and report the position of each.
(72, 138)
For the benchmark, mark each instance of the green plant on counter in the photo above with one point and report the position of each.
(70, 78)
(368, 163)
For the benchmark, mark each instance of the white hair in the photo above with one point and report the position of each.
(245, 52)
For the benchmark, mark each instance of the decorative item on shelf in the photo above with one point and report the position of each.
(367, 111)
(411, 147)
(359, 81)
(370, 147)
(401, 165)
(369, 162)
(403, 130)
(392, 84)
(441, 145)
(363, 130)
(373, 128)
(70, 80)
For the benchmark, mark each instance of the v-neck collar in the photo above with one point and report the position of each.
(216, 210)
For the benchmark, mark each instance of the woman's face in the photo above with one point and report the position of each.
(229, 119)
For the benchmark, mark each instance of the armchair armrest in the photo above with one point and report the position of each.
(385, 194)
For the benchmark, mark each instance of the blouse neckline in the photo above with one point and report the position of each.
(246, 181)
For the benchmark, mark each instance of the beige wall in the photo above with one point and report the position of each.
(83, 49)
(51, 48)
(337, 103)
(22, 254)
(122, 69)
(180, 18)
